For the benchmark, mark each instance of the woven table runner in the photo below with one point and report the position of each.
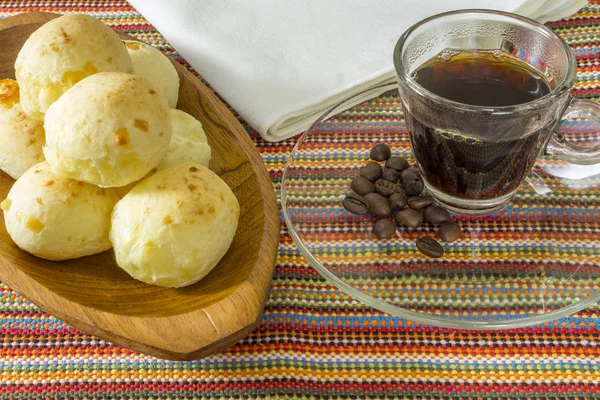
(314, 341)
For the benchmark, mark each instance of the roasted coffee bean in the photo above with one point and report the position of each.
(398, 200)
(413, 188)
(372, 171)
(356, 204)
(420, 202)
(409, 217)
(397, 163)
(430, 247)
(409, 175)
(411, 179)
(391, 175)
(387, 188)
(378, 205)
(449, 231)
(362, 185)
(436, 214)
(380, 152)
(384, 228)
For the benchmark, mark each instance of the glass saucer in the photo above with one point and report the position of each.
(534, 261)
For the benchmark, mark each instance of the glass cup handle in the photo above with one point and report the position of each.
(561, 148)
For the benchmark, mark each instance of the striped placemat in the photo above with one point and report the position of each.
(313, 342)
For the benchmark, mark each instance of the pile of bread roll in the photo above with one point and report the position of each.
(103, 160)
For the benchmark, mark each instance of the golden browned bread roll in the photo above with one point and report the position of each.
(188, 142)
(156, 67)
(173, 227)
(22, 137)
(110, 130)
(58, 218)
(61, 53)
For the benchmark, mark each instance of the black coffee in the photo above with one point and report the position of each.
(470, 167)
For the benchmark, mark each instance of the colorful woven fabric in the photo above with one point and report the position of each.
(313, 342)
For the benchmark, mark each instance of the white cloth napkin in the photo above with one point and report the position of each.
(281, 64)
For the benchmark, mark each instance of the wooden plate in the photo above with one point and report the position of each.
(95, 295)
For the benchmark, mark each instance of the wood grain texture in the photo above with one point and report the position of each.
(95, 295)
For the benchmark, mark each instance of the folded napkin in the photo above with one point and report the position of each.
(281, 64)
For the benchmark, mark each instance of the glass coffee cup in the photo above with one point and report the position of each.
(484, 95)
